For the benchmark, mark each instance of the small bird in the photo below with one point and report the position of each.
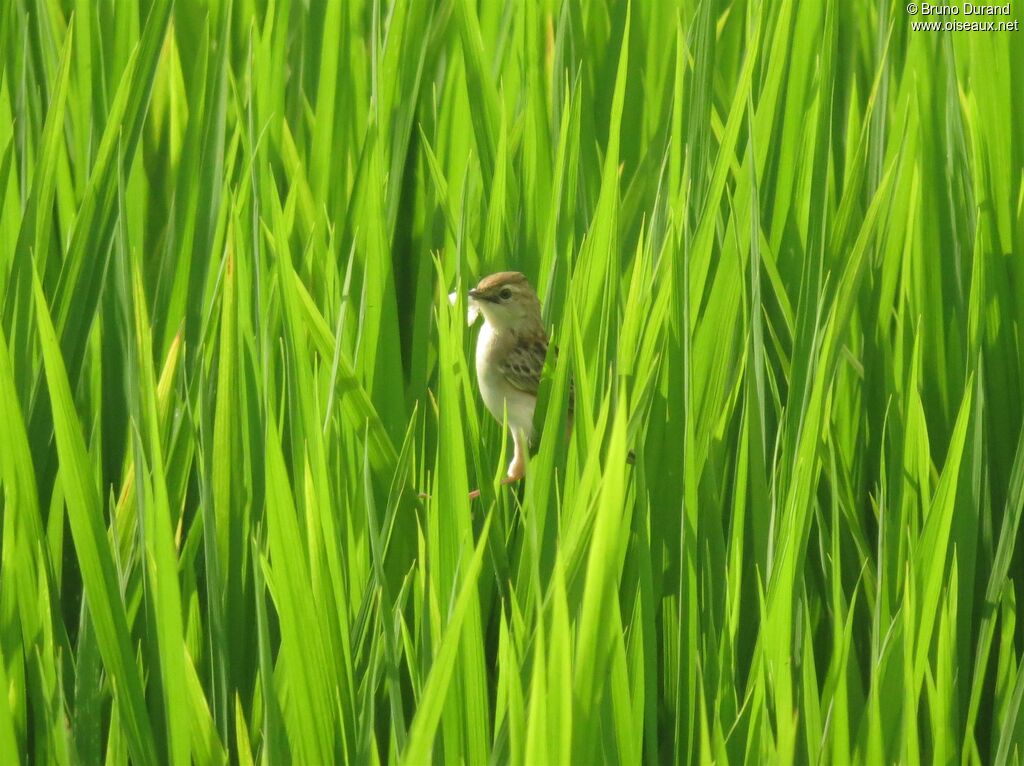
(510, 354)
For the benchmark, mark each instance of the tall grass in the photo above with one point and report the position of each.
(780, 246)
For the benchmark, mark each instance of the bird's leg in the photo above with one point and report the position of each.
(517, 468)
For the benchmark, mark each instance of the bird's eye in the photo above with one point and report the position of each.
(505, 294)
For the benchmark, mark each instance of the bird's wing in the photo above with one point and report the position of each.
(524, 363)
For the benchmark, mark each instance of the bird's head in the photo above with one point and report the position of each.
(508, 302)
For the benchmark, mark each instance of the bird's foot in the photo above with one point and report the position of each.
(517, 468)
(516, 472)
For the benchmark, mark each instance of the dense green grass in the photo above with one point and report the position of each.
(781, 247)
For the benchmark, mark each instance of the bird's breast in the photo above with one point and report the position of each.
(487, 372)
(498, 394)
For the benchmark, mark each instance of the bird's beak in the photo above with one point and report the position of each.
(479, 296)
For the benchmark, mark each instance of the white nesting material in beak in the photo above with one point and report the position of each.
(471, 313)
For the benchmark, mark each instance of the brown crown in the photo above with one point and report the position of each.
(501, 279)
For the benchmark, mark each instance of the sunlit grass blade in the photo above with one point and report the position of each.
(99, 574)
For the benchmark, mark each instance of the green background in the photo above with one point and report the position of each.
(779, 244)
